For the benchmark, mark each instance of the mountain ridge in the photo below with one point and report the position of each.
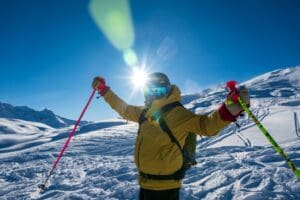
(26, 113)
(279, 84)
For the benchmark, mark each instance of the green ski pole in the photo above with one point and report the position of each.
(231, 85)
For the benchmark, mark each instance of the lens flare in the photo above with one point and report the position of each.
(130, 57)
(113, 17)
(139, 77)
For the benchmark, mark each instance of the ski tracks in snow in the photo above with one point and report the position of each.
(96, 165)
(242, 173)
(99, 165)
(248, 172)
(236, 129)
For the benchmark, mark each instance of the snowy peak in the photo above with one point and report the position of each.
(291, 74)
(278, 83)
(28, 114)
(280, 86)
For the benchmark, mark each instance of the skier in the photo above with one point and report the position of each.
(156, 157)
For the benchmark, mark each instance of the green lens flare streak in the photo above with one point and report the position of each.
(113, 17)
(271, 140)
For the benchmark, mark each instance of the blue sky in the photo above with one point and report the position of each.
(50, 50)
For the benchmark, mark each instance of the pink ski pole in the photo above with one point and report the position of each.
(42, 186)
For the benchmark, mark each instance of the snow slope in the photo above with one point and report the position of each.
(237, 164)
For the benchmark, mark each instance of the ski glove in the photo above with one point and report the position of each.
(100, 85)
(231, 108)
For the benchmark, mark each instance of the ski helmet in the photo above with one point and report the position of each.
(158, 79)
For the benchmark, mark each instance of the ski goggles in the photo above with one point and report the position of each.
(156, 91)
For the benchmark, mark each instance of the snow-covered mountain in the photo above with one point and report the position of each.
(28, 114)
(276, 87)
(239, 163)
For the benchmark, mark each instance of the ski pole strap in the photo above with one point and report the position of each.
(270, 138)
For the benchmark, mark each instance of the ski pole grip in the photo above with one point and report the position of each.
(233, 90)
(231, 85)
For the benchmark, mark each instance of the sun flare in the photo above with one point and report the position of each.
(139, 77)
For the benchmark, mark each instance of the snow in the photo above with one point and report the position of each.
(239, 163)
(278, 120)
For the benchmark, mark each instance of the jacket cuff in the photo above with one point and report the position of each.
(225, 113)
(104, 91)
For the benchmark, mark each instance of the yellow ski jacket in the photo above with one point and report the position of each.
(154, 152)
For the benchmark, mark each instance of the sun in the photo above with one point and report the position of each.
(139, 77)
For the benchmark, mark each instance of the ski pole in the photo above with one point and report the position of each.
(232, 85)
(43, 186)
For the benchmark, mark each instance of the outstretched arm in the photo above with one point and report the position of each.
(182, 120)
(186, 121)
(128, 112)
